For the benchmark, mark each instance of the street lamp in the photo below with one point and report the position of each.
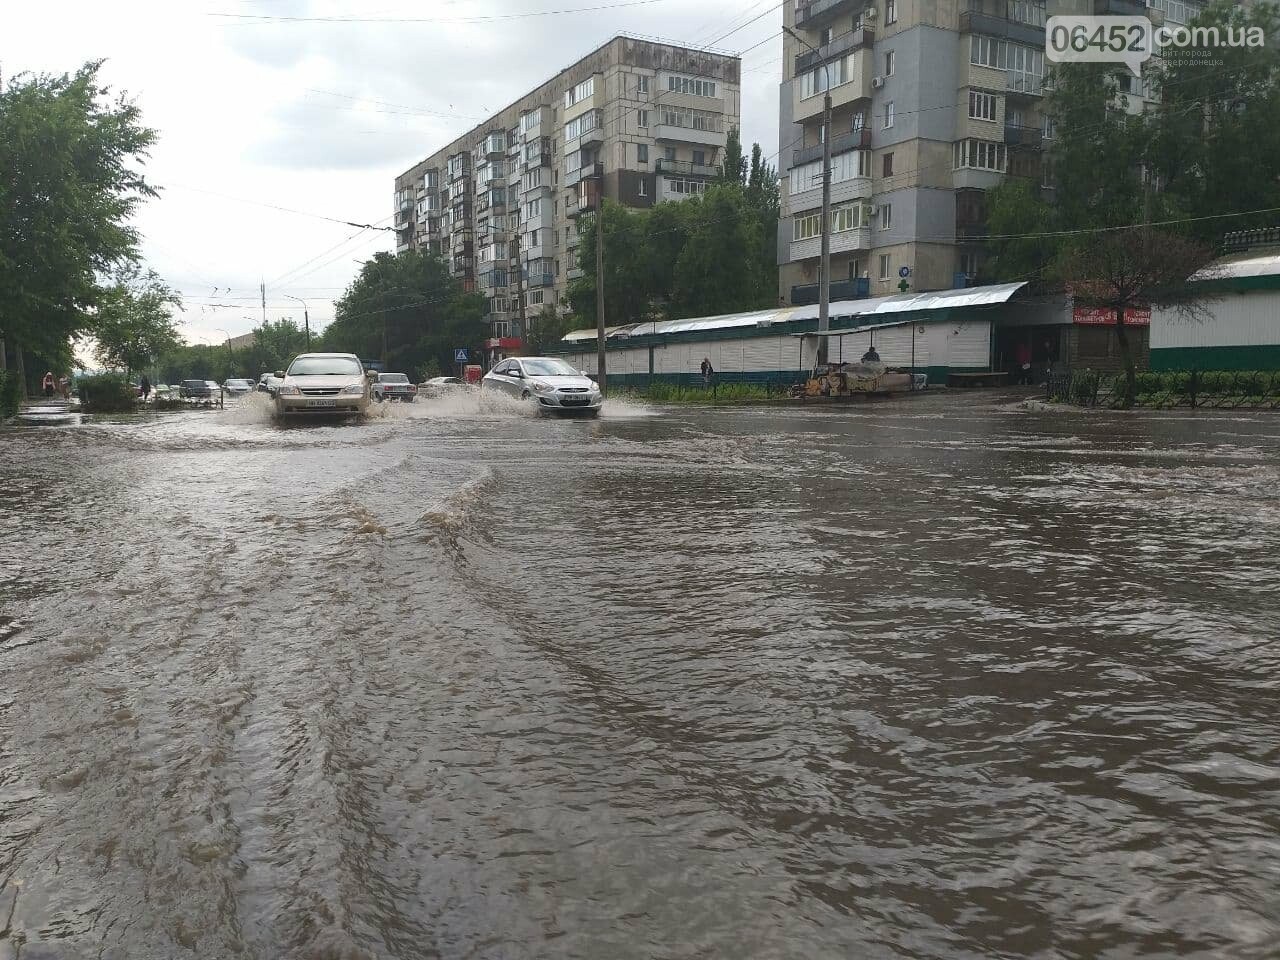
(824, 268)
(381, 276)
(306, 318)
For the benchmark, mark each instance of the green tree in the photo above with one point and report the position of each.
(406, 310)
(765, 197)
(1015, 214)
(275, 344)
(70, 160)
(733, 168)
(548, 326)
(719, 267)
(628, 268)
(133, 326)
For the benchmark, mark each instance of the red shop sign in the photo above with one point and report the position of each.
(1103, 316)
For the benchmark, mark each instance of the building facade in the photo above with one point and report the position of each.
(640, 121)
(934, 102)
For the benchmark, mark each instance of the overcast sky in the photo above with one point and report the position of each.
(319, 116)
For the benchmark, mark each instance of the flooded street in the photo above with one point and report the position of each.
(933, 678)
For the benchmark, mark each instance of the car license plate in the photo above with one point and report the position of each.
(322, 403)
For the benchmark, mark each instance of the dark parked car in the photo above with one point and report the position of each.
(195, 388)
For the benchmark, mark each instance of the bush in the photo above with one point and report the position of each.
(1084, 388)
(106, 393)
(1149, 383)
(721, 393)
(10, 393)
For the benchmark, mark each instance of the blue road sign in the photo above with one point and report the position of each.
(460, 355)
(904, 272)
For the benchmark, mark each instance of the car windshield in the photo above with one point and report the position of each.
(193, 383)
(549, 368)
(393, 378)
(325, 367)
(237, 383)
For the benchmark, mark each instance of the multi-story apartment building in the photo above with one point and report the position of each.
(934, 102)
(641, 121)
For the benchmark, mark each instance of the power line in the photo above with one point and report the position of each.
(261, 18)
(272, 206)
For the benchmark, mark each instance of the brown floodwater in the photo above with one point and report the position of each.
(933, 678)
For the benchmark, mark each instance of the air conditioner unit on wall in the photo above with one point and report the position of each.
(869, 13)
(877, 83)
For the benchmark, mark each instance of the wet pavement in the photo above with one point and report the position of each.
(937, 677)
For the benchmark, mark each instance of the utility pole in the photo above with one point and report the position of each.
(600, 358)
(524, 326)
(262, 289)
(824, 265)
(306, 318)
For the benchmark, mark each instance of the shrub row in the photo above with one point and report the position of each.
(10, 393)
(106, 393)
(1242, 383)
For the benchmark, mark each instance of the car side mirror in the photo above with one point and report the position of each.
(519, 375)
(279, 374)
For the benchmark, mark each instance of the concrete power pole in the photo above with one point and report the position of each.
(524, 320)
(600, 353)
(262, 289)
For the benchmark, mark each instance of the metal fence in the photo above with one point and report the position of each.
(1214, 389)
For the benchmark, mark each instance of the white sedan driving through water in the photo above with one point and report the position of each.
(555, 386)
(323, 383)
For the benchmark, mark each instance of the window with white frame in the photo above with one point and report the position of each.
(890, 11)
(529, 120)
(580, 125)
(640, 191)
(987, 51)
(886, 216)
(531, 179)
(888, 115)
(888, 63)
(980, 155)
(642, 118)
(533, 210)
(815, 81)
(682, 186)
(582, 91)
(982, 106)
(693, 85)
(642, 153)
(848, 216)
(642, 83)
(969, 264)
(573, 162)
(885, 266)
(1050, 128)
(844, 166)
(691, 119)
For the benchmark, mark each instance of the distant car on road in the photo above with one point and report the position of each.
(394, 386)
(439, 386)
(323, 383)
(237, 387)
(551, 383)
(195, 389)
(267, 383)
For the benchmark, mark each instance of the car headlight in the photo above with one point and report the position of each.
(539, 387)
(288, 390)
(353, 390)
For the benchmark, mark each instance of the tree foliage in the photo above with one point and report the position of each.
(408, 311)
(133, 326)
(715, 252)
(70, 180)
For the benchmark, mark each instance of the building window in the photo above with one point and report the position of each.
(982, 106)
(533, 238)
(886, 216)
(969, 264)
(980, 155)
(641, 191)
(642, 118)
(888, 115)
(557, 268)
(691, 119)
(884, 266)
(815, 81)
(1050, 128)
(890, 11)
(849, 216)
(888, 165)
(642, 153)
(888, 63)
(642, 84)
(856, 269)
(699, 88)
(669, 153)
(699, 158)
(986, 51)
(582, 91)
(580, 125)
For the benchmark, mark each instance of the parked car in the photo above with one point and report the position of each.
(554, 385)
(394, 386)
(267, 383)
(195, 389)
(323, 383)
(238, 388)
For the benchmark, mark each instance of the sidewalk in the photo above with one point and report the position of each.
(48, 412)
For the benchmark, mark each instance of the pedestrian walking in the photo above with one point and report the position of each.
(48, 384)
(145, 385)
(708, 371)
(1023, 360)
(64, 387)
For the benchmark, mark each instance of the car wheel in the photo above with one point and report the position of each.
(524, 395)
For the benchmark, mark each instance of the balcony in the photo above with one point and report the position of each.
(969, 229)
(539, 279)
(591, 138)
(495, 145)
(670, 132)
(1118, 8)
(857, 289)
(819, 13)
(852, 40)
(994, 20)
(1027, 138)
(858, 238)
(462, 265)
(685, 168)
(855, 188)
(1024, 84)
(855, 140)
(575, 272)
